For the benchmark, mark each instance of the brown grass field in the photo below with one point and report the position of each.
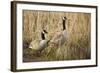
(77, 47)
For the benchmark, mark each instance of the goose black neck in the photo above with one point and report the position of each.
(43, 36)
(64, 27)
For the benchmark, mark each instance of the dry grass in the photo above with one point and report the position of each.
(75, 48)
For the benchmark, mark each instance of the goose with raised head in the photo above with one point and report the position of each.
(41, 44)
(59, 38)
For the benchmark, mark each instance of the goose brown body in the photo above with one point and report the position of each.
(39, 45)
(60, 37)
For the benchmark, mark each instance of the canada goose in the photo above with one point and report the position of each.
(60, 37)
(39, 45)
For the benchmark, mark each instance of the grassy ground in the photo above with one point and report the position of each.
(75, 48)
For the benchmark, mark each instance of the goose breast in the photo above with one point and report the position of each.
(43, 44)
(59, 38)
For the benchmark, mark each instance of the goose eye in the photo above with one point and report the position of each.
(64, 18)
(45, 31)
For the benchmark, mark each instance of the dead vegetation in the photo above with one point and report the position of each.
(75, 48)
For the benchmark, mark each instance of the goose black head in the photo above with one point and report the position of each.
(45, 31)
(64, 18)
(43, 34)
